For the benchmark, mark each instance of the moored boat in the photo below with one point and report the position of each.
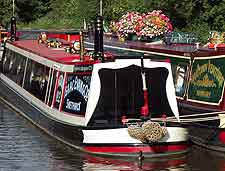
(198, 75)
(98, 107)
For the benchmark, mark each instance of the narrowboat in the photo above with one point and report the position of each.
(198, 74)
(110, 106)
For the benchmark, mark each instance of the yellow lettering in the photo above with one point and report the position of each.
(199, 80)
(203, 93)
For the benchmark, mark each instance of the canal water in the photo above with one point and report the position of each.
(23, 147)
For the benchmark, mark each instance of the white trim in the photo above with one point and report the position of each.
(121, 135)
(42, 107)
(40, 59)
(210, 57)
(95, 85)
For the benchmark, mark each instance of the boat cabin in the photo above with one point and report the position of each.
(90, 92)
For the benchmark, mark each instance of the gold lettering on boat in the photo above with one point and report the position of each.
(203, 93)
(206, 81)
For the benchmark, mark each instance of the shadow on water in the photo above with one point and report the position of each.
(24, 148)
(201, 159)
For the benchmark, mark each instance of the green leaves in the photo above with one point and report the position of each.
(5, 12)
(189, 15)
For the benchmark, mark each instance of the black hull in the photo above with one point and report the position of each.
(209, 137)
(204, 127)
(187, 109)
(68, 134)
(73, 135)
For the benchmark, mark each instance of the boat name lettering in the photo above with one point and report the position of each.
(203, 93)
(205, 82)
(83, 68)
(78, 85)
(72, 105)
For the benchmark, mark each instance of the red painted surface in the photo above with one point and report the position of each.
(145, 108)
(211, 45)
(42, 50)
(65, 36)
(222, 137)
(136, 149)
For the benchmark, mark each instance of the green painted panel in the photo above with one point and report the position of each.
(207, 80)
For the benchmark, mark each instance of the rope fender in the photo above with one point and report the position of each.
(148, 132)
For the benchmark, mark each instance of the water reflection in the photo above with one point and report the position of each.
(24, 147)
(207, 160)
(93, 163)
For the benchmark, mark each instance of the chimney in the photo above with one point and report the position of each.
(98, 46)
(13, 28)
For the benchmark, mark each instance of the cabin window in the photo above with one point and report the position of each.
(76, 93)
(13, 66)
(180, 79)
(36, 79)
(9, 55)
(20, 67)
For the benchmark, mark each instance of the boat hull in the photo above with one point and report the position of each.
(209, 137)
(73, 135)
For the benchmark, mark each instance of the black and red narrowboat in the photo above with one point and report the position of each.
(98, 107)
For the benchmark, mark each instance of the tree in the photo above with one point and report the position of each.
(31, 10)
(5, 12)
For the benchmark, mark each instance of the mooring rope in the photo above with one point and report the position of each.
(202, 114)
(186, 120)
(192, 117)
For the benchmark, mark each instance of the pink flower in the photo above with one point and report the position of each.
(150, 24)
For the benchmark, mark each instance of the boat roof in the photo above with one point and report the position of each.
(186, 50)
(54, 54)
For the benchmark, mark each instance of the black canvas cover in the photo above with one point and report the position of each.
(121, 94)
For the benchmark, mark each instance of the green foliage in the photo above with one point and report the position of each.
(5, 11)
(114, 9)
(28, 11)
(198, 16)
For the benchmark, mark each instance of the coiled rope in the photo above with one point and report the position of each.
(147, 132)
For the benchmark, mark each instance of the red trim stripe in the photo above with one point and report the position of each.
(133, 149)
